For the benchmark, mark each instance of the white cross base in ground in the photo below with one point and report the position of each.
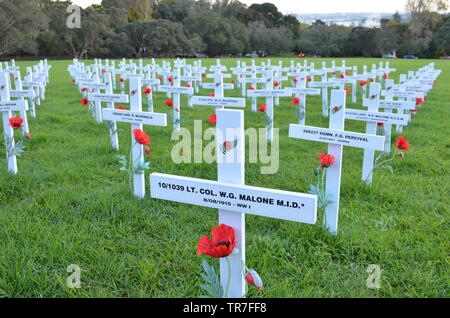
(336, 138)
(232, 197)
(137, 118)
(6, 108)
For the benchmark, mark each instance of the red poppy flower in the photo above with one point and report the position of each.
(28, 135)
(363, 83)
(169, 102)
(385, 76)
(177, 109)
(372, 80)
(170, 79)
(221, 245)
(262, 108)
(160, 78)
(401, 155)
(334, 73)
(147, 151)
(84, 89)
(212, 119)
(104, 71)
(326, 160)
(84, 101)
(203, 75)
(295, 101)
(308, 79)
(233, 81)
(121, 80)
(401, 143)
(295, 80)
(141, 137)
(413, 110)
(336, 109)
(342, 76)
(253, 278)
(187, 85)
(147, 90)
(419, 101)
(346, 73)
(251, 88)
(121, 107)
(16, 122)
(212, 95)
(73, 81)
(347, 90)
(240, 76)
(276, 84)
(228, 145)
(380, 124)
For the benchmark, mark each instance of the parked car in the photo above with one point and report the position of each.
(252, 55)
(444, 58)
(389, 56)
(410, 57)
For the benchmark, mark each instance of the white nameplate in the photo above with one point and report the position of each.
(321, 84)
(17, 105)
(305, 91)
(218, 101)
(224, 75)
(269, 93)
(151, 82)
(337, 137)
(253, 80)
(111, 98)
(93, 86)
(392, 104)
(190, 78)
(30, 84)
(128, 116)
(277, 204)
(175, 89)
(19, 94)
(386, 118)
(213, 86)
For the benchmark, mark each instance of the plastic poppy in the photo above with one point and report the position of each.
(419, 101)
(221, 245)
(347, 90)
(121, 107)
(16, 122)
(121, 80)
(84, 101)
(326, 160)
(295, 101)
(380, 124)
(187, 85)
(401, 143)
(141, 137)
(169, 102)
(262, 108)
(212, 95)
(147, 90)
(212, 119)
(276, 84)
(253, 278)
(147, 151)
(251, 88)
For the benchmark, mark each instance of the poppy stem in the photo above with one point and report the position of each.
(229, 277)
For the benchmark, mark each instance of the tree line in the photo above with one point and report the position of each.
(168, 28)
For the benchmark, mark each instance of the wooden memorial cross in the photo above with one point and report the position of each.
(138, 119)
(372, 115)
(176, 89)
(301, 92)
(269, 93)
(33, 84)
(110, 98)
(324, 85)
(21, 94)
(232, 197)
(6, 108)
(336, 138)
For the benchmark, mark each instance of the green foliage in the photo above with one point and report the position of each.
(212, 286)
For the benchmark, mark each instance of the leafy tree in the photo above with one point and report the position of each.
(442, 39)
(324, 40)
(266, 12)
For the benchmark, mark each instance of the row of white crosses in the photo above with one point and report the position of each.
(21, 104)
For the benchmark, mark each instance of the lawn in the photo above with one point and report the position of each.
(70, 204)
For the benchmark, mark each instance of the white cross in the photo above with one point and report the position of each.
(336, 138)
(137, 118)
(6, 108)
(232, 197)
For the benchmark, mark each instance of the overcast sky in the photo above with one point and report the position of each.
(317, 6)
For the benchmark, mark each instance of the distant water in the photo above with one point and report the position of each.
(347, 19)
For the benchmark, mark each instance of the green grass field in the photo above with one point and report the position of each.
(70, 204)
